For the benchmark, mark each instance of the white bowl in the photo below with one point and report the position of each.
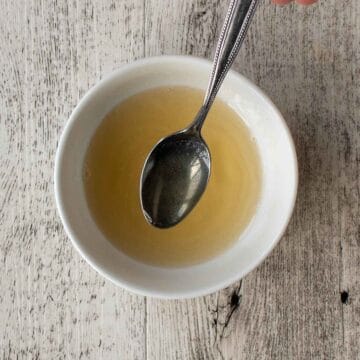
(279, 167)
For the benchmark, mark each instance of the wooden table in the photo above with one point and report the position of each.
(303, 302)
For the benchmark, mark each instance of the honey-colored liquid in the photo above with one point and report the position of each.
(116, 156)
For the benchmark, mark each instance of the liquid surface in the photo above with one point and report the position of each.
(115, 158)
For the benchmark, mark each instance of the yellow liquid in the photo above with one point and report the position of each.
(116, 156)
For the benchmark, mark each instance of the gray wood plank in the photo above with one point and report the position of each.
(290, 307)
(53, 305)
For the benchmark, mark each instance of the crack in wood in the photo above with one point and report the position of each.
(235, 301)
(222, 314)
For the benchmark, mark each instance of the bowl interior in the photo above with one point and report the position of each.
(278, 189)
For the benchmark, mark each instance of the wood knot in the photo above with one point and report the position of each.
(344, 297)
(235, 300)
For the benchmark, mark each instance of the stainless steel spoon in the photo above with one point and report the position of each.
(177, 170)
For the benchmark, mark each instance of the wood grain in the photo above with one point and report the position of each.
(53, 305)
(303, 302)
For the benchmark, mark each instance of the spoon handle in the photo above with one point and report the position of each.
(232, 35)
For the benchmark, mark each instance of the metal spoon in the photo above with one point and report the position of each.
(177, 170)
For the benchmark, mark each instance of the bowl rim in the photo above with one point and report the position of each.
(134, 288)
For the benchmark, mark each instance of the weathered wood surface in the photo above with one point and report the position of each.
(303, 302)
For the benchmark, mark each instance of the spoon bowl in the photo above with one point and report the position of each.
(174, 177)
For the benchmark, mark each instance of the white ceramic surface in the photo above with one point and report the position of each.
(279, 187)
